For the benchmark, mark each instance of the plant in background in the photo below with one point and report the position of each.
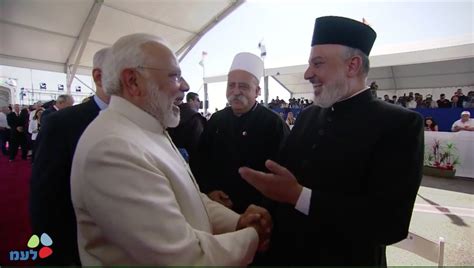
(441, 156)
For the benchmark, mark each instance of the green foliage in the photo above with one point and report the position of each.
(443, 156)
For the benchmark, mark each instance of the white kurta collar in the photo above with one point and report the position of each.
(135, 114)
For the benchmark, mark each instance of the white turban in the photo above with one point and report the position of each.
(248, 62)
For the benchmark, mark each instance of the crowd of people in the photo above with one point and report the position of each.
(20, 125)
(134, 176)
(412, 101)
(292, 103)
(465, 123)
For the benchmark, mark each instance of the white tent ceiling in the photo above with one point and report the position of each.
(431, 68)
(53, 34)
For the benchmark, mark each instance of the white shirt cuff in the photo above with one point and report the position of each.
(303, 203)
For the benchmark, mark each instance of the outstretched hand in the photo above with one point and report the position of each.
(279, 185)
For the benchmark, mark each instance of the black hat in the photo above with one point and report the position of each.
(343, 31)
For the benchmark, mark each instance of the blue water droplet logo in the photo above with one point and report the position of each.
(46, 240)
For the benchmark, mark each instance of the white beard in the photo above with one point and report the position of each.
(333, 92)
(160, 106)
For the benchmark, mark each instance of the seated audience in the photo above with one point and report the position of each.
(411, 102)
(463, 124)
(469, 101)
(290, 120)
(455, 103)
(430, 124)
(386, 98)
(443, 102)
(428, 102)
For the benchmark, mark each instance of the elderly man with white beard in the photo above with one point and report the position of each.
(135, 198)
(344, 190)
(245, 133)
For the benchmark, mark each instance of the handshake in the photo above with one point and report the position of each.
(258, 218)
(255, 216)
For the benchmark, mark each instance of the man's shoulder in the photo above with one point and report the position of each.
(76, 112)
(309, 111)
(393, 114)
(226, 112)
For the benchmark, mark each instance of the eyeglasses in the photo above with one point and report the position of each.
(174, 75)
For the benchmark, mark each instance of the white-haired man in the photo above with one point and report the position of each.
(244, 134)
(135, 198)
(51, 208)
(63, 101)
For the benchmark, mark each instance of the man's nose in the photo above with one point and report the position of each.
(308, 74)
(183, 85)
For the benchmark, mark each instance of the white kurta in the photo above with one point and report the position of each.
(136, 202)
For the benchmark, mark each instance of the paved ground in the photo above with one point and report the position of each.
(444, 208)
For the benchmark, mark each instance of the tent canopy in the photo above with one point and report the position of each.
(430, 68)
(57, 35)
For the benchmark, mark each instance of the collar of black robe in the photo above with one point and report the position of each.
(246, 113)
(348, 104)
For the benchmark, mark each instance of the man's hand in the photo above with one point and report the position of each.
(258, 218)
(19, 129)
(280, 185)
(220, 197)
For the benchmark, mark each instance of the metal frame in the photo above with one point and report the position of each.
(184, 50)
(81, 43)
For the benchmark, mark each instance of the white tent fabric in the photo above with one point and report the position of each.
(57, 35)
(430, 68)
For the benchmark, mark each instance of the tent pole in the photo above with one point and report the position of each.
(81, 42)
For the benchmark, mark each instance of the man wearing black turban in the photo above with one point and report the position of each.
(349, 172)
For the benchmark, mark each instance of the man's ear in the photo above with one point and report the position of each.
(354, 66)
(97, 76)
(129, 79)
(259, 91)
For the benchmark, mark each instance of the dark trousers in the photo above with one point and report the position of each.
(18, 139)
(4, 138)
(33, 145)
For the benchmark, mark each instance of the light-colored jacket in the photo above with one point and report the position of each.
(33, 128)
(136, 201)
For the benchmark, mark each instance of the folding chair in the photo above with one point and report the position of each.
(423, 247)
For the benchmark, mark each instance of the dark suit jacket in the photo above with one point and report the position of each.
(47, 112)
(50, 195)
(363, 160)
(15, 121)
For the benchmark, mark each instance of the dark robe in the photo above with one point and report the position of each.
(363, 160)
(191, 125)
(229, 142)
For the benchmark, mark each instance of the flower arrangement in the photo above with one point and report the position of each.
(441, 156)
